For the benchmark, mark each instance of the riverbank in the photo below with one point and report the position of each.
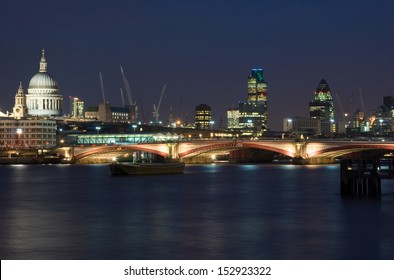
(30, 160)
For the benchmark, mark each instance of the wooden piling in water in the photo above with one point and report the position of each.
(360, 178)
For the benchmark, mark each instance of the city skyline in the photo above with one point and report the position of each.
(203, 51)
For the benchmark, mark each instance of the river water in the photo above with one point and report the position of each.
(220, 211)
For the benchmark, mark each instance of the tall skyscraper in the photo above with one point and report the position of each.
(257, 88)
(322, 107)
(253, 114)
(203, 117)
(77, 107)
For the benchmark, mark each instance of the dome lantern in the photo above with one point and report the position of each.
(43, 63)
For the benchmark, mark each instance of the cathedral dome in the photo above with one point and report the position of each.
(43, 81)
(43, 97)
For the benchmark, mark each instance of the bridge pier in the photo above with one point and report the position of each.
(360, 178)
(173, 150)
(67, 153)
(320, 160)
(198, 160)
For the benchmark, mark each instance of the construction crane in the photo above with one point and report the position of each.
(348, 104)
(127, 87)
(121, 95)
(156, 109)
(102, 86)
(339, 103)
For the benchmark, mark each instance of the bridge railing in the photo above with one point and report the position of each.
(117, 139)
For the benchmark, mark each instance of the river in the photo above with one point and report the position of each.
(218, 211)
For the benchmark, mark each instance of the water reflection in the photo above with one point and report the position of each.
(211, 212)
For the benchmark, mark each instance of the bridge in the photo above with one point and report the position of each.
(104, 148)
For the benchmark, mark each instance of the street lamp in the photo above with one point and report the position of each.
(98, 129)
(18, 133)
(211, 123)
(289, 124)
(134, 127)
(381, 126)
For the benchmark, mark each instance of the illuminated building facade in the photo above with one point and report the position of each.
(76, 107)
(43, 97)
(203, 117)
(20, 109)
(358, 118)
(107, 113)
(302, 125)
(257, 87)
(322, 108)
(381, 121)
(255, 110)
(319, 110)
(251, 116)
(233, 118)
(91, 113)
(388, 101)
(27, 133)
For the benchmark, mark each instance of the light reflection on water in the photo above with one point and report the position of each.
(216, 211)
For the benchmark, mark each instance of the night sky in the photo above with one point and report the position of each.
(203, 50)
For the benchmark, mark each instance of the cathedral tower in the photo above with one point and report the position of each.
(20, 108)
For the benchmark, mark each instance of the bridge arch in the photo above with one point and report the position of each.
(342, 150)
(117, 150)
(263, 146)
(236, 145)
(209, 147)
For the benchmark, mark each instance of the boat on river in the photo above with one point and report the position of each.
(155, 168)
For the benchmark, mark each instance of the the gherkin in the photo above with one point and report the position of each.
(322, 106)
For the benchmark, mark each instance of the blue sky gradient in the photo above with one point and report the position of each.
(203, 51)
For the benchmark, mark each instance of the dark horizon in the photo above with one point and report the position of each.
(202, 50)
